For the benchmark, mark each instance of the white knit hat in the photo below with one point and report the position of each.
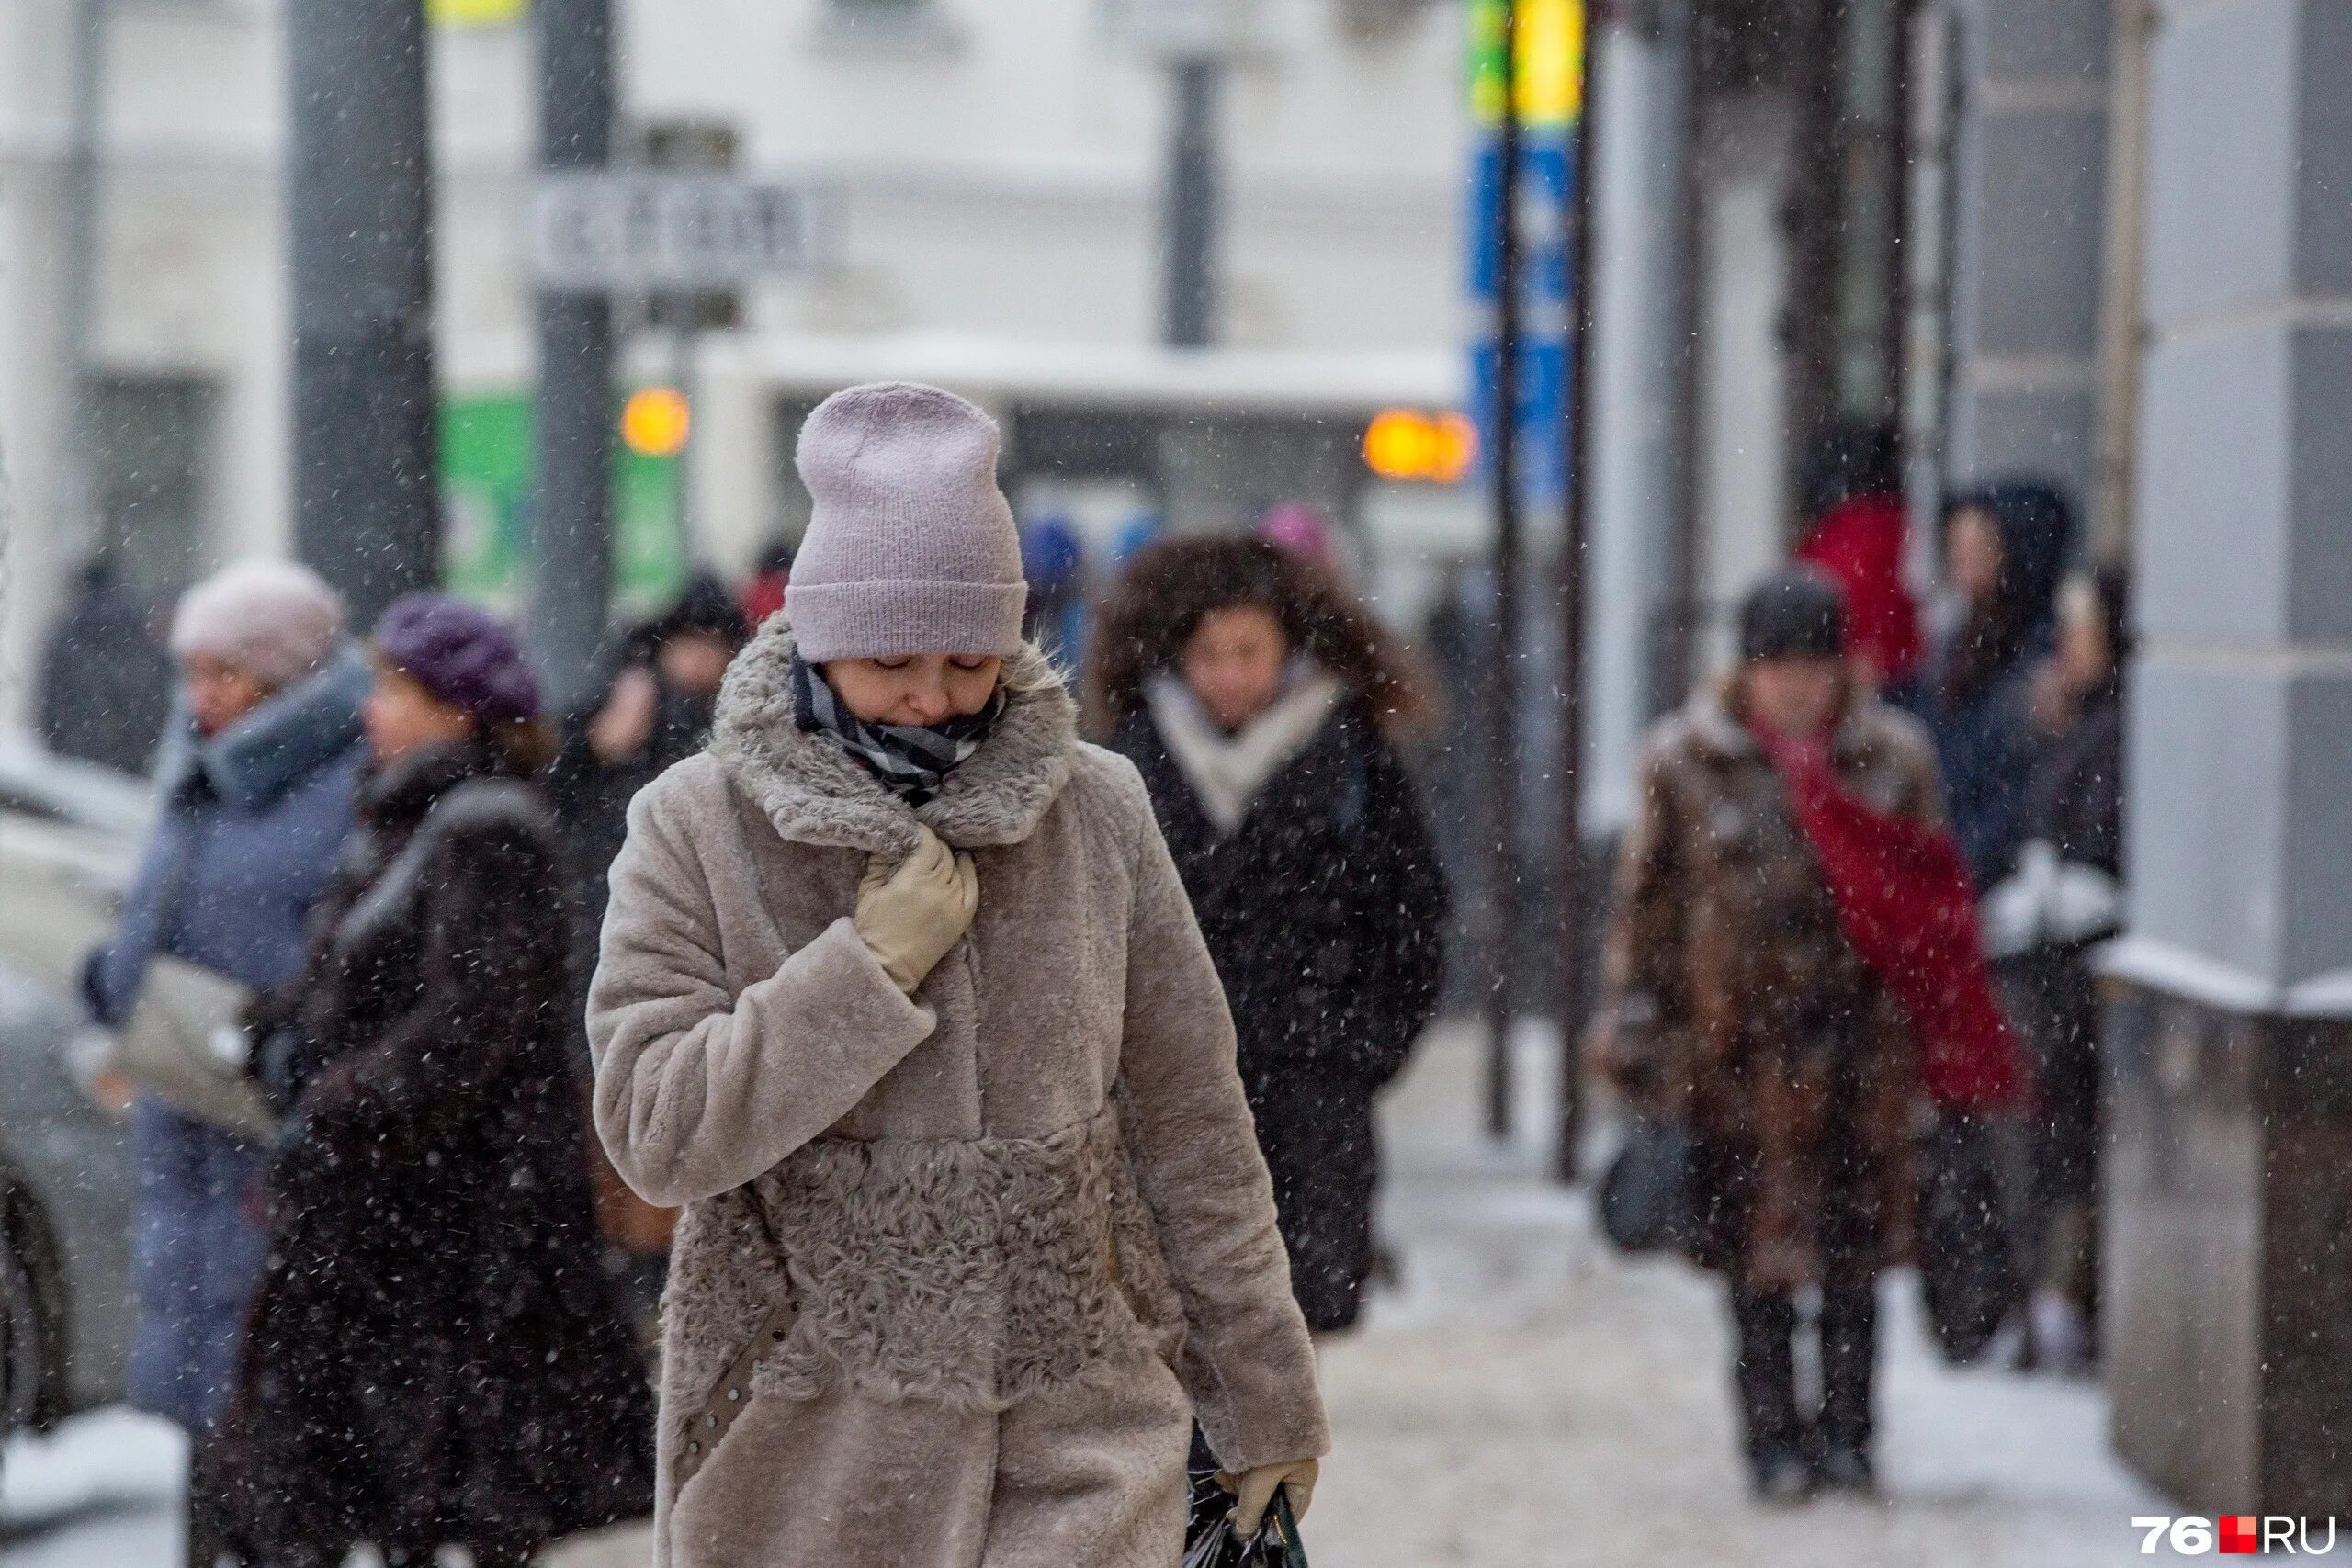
(911, 546)
(275, 620)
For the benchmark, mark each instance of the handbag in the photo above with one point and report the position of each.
(1645, 1197)
(1210, 1541)
(1968, 1273)
(183, 1046)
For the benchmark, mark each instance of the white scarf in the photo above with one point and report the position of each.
(1226, 771)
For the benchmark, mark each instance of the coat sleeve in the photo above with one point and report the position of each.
(1247, 1363)
(1644, 998)
(700, 1087)
(491, 966)
(1402, 904)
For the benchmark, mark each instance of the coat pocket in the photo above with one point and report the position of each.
(731, 1395)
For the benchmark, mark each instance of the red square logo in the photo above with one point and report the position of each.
(2240, 1533)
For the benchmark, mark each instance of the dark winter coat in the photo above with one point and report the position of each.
(250, 826)
(2074, 800)
(106, 683)
(1734, 1000)
(1325, 912)
(1976, 697)
(435, 1353)
(1984, 748)
(591, 799)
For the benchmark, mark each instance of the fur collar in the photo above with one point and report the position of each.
(816, 792)
(309, 725)
(1713, 717)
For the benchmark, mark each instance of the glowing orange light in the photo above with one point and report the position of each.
(1404, 443)
(1457, 447)
(655, 422)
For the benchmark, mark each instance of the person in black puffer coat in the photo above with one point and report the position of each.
(433, 1356)
(1257, 701)
(2044, 924)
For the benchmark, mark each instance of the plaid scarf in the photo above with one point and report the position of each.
(911, 760)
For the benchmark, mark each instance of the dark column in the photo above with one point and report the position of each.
(570, 523)
(2230, 1262)
(1190, 319)
(359, 198)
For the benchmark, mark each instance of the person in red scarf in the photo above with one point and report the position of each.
(1792, 967)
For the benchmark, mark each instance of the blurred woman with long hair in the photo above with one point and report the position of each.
(1262, 706)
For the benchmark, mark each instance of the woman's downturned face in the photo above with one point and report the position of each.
(917, 689)
(1233, 662)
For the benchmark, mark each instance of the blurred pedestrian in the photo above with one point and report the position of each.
(901, 997)
(764, 594)
(2005, 551)
(1305, 533)
(255, 795)
(1054, 561)
(434, 1357)
(1259, 704)
(105, 686)
(656, 711)
(2041, 923)
(1791, 960)
(1853, 492)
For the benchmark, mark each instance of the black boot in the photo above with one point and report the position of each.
(1848, 1360)
(1765, 1374)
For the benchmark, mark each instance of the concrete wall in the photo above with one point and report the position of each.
(2235, 1120)
(2242, 820)
(2029, 177)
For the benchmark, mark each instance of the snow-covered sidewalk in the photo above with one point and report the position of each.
(1526, 1397)
(1531, 1397)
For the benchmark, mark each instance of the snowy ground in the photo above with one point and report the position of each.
(1525, 1397)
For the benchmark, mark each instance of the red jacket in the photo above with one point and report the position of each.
(1859, 544)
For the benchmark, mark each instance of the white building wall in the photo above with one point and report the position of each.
(999, 180)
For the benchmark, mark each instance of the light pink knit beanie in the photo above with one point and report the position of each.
(274, 619)
(911, 546)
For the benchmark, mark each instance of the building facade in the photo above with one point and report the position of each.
(994, 174)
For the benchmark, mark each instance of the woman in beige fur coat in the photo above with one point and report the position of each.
(899, 994)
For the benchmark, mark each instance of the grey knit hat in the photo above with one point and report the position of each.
(911, 546)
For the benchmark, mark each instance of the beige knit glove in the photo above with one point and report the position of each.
(909, 915)
(1254, 1491)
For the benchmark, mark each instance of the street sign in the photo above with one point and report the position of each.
(1548, 83)
(637, 232)
(1183, 29)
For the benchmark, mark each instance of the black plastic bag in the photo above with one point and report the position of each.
(1967, 1271)
(1646, 1197)
(1209, 1539)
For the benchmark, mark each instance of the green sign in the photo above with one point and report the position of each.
(487, 447)
(1549, 78)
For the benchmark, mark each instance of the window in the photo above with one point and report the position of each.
(893, 27)
(151, 457)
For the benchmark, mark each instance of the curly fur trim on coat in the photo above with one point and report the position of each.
(975, 1273)
(816, 792)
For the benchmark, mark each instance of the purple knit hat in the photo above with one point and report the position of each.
(462, 655)
(911, 546)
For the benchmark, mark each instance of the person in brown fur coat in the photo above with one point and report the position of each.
(900, 996)
(1734, 1005)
